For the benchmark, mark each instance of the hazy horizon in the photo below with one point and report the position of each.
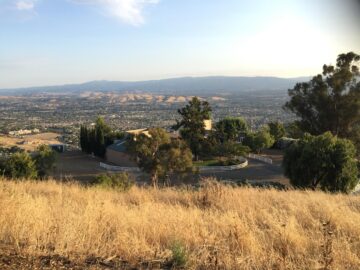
(62, 42)
(150, 80)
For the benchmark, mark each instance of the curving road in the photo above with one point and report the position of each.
(256, 170)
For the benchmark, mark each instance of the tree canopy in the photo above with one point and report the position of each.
(259, 140)
(191, 125)
(277, 130)
(20, 165)
(159, 155)
(230, 128)
(331, 100)
(325, 160)
(231, 149)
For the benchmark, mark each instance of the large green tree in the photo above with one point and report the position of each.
(159, 155)
(230, 128)
(191, 125)
(259, 140)
(325, 160)
(331, 100)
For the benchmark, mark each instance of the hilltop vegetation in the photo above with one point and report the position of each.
(215, 227)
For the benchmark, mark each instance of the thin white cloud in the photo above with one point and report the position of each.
(129, 11)
(25, 5)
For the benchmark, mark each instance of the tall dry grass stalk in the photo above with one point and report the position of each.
(218, 227)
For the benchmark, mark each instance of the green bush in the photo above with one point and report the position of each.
(179, 255)
(19, 165)
(118, 181)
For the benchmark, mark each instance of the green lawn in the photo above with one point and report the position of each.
(216, 162)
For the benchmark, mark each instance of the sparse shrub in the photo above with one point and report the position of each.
(327, 256)
(45, 159)
(211, 191)
(118, 181)
(179, 255)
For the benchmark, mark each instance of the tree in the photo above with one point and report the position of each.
(324, 160)
(292, 130)
(20, 165)
(45, 159)
(230, 128)
(277, 130)
(84, 139)
(100, 148)
(158, 155)
(331, 101)
(177, 158)
(259, 140)
(192, 127)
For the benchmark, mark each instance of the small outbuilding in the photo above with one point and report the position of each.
(60, 148)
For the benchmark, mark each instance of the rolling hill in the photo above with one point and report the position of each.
(183, 86)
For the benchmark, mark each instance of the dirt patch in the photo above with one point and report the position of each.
(10, 259)
(77, 165)
(30, 142)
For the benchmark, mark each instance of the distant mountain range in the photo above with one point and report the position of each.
(184, 86)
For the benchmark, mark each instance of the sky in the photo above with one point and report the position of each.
(52, 42)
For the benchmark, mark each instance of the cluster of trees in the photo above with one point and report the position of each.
(94, 140)
(22, 165)
(328, 108)
(224, 139)
(160, 155)
(330, 101)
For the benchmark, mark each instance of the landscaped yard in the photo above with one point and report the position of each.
(217, 162)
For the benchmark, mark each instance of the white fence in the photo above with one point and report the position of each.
(243, 164)
(118, 168)
(261, 158)
(112, 168)
(356, 190)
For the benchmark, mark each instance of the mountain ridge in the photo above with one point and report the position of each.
(183, 85)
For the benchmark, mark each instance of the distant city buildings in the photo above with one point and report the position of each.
(22, 132)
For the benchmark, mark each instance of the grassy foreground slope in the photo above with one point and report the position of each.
(216, 227)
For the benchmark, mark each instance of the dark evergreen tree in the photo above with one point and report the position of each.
(192, 126)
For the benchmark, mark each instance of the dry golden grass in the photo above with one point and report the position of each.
(219, 227)
(29, 142)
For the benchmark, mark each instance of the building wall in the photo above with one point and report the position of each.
(119, 158)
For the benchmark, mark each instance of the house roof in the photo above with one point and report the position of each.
(139, 131)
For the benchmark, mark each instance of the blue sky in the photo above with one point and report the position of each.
(46, 42)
